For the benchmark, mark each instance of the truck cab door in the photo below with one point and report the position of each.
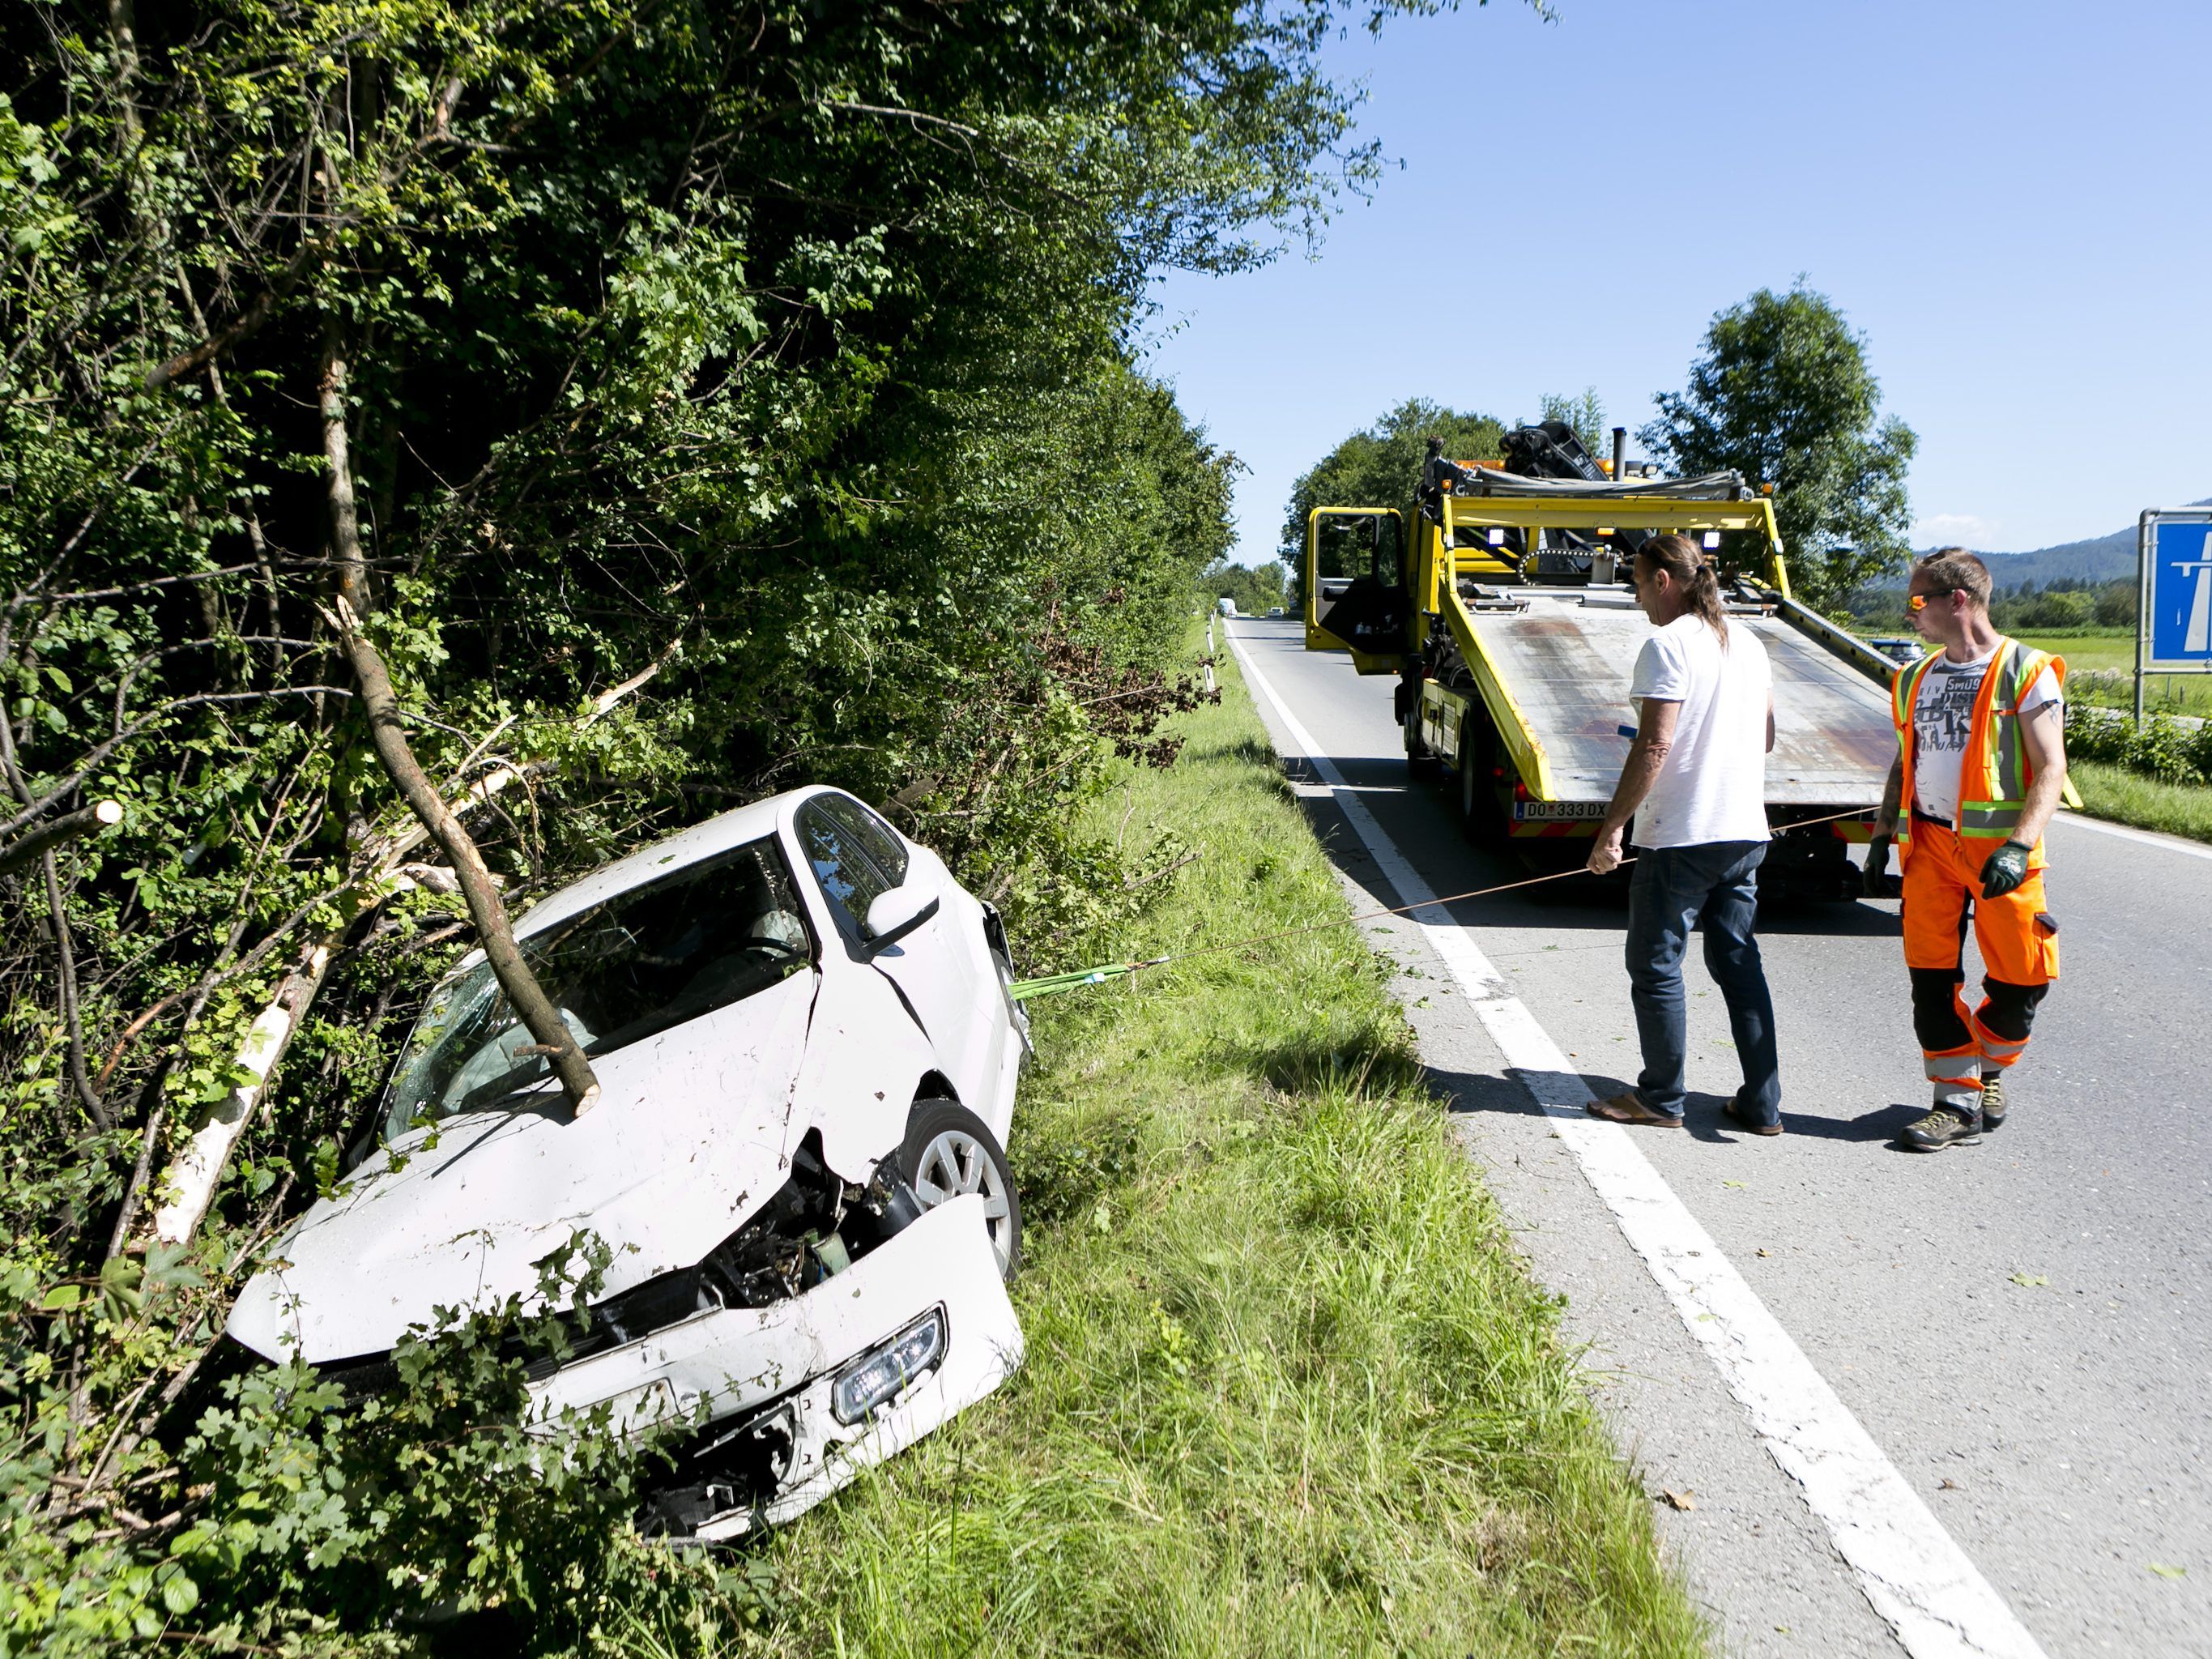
(1356, 596)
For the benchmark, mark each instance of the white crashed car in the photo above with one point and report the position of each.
(806, 1057)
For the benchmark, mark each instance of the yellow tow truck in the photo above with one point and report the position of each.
(1501, 601)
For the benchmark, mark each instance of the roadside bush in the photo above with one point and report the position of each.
(2160, 747)
(305, 1516)
(723, 400)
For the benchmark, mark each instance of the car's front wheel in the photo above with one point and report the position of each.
(949, 1150)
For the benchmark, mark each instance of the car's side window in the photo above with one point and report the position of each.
(837, 853)
(876, 838)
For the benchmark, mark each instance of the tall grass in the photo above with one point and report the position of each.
(2111, 791)
(2100, 670)
(1288, 1390)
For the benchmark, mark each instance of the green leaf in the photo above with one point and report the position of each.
(61, 1298)
(2164, 1571)
(120, 1294)
(2030, 1281)
(170, 1266)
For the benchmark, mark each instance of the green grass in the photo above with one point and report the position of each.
(2100, 670)
(1288, 1390)
(2109, 792)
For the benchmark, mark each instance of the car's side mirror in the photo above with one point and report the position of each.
(894, 913)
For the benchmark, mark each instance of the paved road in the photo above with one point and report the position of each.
(2056, 1429)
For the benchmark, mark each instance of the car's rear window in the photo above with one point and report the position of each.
(694, 941)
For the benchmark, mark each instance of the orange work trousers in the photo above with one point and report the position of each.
(2019, 943)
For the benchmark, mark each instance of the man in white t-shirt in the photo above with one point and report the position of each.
(1981, 766)
(1695, 783)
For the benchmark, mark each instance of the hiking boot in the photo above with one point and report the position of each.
(1946, 1125)
(1993, 1100)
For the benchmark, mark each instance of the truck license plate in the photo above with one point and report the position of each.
(1537, 811)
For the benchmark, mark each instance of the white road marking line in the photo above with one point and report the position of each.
(2148, 837)
(1912, 1570)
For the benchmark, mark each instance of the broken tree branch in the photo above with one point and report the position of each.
(380, 703)
(248, 322)
(65, 977)
(102, 815)
(385, 869)
(190, 1184)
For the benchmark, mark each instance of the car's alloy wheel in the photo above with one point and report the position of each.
(949, 1150)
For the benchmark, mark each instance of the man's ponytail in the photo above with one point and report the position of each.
(1686, 568)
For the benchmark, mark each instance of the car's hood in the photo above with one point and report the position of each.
(688, 1138)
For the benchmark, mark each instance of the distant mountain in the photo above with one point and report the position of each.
(2106, 559)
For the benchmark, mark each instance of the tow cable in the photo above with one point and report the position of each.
(1022, 990)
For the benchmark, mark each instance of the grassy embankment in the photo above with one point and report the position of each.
(2100, 664)
(1288, 1390)
(2125, 796)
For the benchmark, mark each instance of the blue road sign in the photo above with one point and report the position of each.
(2179, 574)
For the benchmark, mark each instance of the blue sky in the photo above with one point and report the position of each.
(2013, 202)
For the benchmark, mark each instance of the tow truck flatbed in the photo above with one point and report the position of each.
(1502, 606)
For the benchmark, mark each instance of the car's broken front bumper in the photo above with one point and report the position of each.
(800, 1396)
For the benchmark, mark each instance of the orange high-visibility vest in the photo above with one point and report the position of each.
(1994, 772)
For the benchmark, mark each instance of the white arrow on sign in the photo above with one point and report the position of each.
(2198, 639)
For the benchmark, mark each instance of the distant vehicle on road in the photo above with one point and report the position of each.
(1226, 605)
(1274, 611)
(1904, 647)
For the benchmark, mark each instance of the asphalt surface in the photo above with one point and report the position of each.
(2057, 1427)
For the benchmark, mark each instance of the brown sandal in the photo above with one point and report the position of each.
(1630, 1109)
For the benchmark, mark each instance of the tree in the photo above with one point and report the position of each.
(387, 394)
(1586, 415)
(1380, 465)
(1257, 589)
(1782, 395)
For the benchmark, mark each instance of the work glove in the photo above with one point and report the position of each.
(1876, 882)
(2004, 870)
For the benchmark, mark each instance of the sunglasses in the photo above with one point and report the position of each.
(1916, 602)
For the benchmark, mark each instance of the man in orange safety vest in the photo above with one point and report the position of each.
(1980, 767)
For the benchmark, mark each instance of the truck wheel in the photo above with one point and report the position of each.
(1420, 763)
(949, 1150)
(1479, 813)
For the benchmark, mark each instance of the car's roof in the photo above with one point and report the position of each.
(701, 841)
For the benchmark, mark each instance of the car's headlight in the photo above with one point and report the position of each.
(883, 1375)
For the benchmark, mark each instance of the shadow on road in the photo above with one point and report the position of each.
(1467, 1093)
(1703, 1118)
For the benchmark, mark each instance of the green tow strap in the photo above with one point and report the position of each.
(1022, 989)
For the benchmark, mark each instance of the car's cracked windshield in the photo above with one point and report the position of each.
(649, 959)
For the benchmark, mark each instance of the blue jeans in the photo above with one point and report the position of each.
(1675, 889)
